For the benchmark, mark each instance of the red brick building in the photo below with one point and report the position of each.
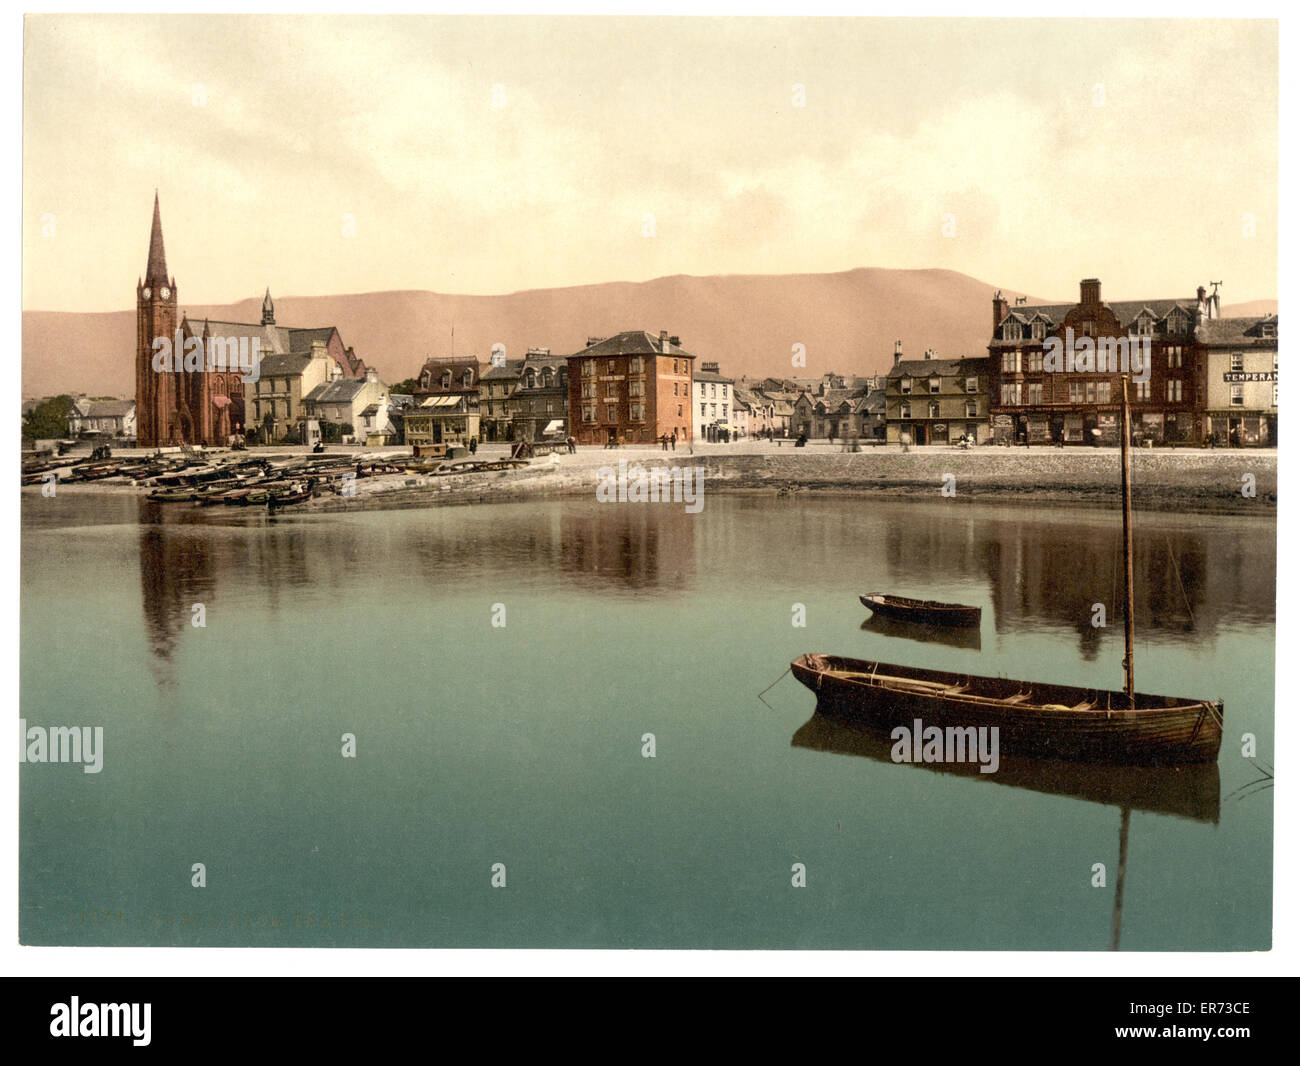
(1030, 402)
(634, 388)
(174, 405)
(206, 405)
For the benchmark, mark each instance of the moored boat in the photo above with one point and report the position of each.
(921, 612)
(1033, 718)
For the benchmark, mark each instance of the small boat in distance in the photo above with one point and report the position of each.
(921, 612)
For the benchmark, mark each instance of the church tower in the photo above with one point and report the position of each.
(162, 416)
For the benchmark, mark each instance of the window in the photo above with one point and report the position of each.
(1086, 329)
(704, 411)
(589, 368)
(1011, 393)
(588, 390)
(1238, 395)
(446, 379)
(679, 410)
(724, 392)
(934, 384)
(1035, 390)
(1076, 392)
(530, 378)
(636, 366)
(613, 366)
(1142, 390)
(1034, 363)
(548, 377)
(1038, 329)
(905, 410)
(1103, 392)
(675, 370)
(1011, 331)
(905, 386)
(1144, 326)
(934, 408)
(1175, 357)
(1174, 390)
(611, 390)
(972, 384)
(713, 390)
(1089, 392)
(469, 378)
(1236, 361)
(970, 409)
(674, 388)
(1011, 362)
(636, 388)
(724, 412)
(1274, 395)
(636, 412)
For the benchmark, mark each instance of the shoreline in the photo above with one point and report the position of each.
(1193, 482)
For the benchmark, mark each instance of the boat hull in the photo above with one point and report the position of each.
(922, 612)
(1039, 720)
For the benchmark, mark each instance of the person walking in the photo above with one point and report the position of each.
(674, 438)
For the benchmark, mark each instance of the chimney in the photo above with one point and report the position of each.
(929, 353)
(371, 374)
(675, 341)
(898, 351)
(999, 308)
(663, 340)
(1090, 292)
(594, 340)
(1214, 299)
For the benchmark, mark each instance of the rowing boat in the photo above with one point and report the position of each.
(1032, 718)
(921, 612)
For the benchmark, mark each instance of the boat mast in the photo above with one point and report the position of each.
(1128, 545)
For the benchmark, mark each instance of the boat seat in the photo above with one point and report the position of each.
(1019, 697)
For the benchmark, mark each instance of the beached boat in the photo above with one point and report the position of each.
(921, 612)
(1032, 718)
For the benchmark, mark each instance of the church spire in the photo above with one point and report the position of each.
(156, 272)
(268, 309)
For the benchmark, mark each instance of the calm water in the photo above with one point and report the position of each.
(521, 745)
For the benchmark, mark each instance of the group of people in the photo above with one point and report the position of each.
(667, 440)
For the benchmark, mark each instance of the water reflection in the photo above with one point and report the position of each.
(1185, 791)
(967, 637)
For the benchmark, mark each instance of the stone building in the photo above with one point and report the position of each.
(936, 401)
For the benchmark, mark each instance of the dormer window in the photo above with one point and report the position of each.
(446, 379)
(934, 384)
(424, 380)
(548, 377)
(1011, 331)
(530, 378)
(905, 386)
(1143, 326)
(469, 378)
(1086, 328)
(1038, 329)
(1268, 329)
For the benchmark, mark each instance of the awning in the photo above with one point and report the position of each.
(553, 426)
(441, 401)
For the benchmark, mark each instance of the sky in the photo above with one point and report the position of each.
(321, 155)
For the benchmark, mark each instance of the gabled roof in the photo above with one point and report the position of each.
(511, 369)
(106, 408)
(340, 391)
(1235, 332)
(926, 368)
(633, 342)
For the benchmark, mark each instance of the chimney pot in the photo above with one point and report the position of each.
(1090, 292)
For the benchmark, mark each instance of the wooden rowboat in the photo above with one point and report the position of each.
(1032, 718)
(921, 612)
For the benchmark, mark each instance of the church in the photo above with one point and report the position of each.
(206, 405)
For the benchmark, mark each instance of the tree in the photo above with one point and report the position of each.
(406, 388)
(49, 418)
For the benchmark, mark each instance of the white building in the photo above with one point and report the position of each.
(714, 402)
